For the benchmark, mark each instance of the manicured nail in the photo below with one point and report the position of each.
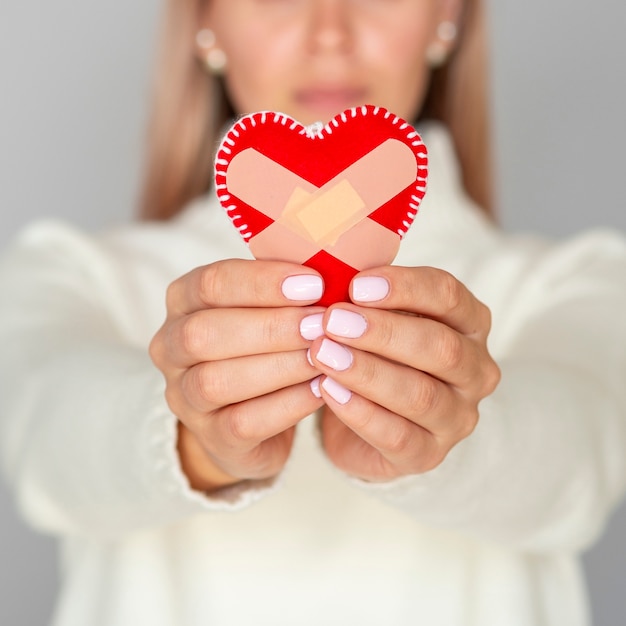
(311, 326)
(308, 358)
(336, 391)
(315, 387)
(346, 323)
(304, 287)
(334, 355)
(369, 289)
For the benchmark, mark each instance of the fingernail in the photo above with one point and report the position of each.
(346, 323)
(334, 355)
(369, 289)
(304, 287)
(336, 391)
(308, 358)
(311, 326)
(315, 387)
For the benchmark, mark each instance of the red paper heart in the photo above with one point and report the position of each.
(337, 198)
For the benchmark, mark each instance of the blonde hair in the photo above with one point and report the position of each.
(189, 108)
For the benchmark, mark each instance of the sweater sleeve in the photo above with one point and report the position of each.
(546, 464)
(88, 444)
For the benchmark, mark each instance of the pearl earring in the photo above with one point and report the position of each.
(437, 52)
(214, 58)
(447, 31)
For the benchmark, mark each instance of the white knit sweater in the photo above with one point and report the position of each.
(489, 538)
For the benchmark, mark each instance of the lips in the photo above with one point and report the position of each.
(324, 99)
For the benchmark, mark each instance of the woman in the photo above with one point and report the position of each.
(222, 500)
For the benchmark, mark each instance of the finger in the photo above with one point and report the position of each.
(351, 453)
(211, 385)
(420, 343)
(216, 334)
(403, 447)
(399, 389)
(239, 428)
(243, 283)
(425, 291)
(210, 470)
(263, 461)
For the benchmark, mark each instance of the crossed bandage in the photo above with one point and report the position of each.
(334, 217)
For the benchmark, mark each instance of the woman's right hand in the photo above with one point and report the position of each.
(235, 365)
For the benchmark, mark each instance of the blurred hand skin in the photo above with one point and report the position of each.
(401, 369)
(408, 364)
(235, 365)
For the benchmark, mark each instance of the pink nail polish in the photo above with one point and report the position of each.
(336, 391)
(315, 387)
(369, 289)
(311, 326)
(308, 358)
(304, 287)
(346, 323)
(334, 355)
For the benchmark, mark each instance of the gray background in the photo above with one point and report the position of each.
(74, 77)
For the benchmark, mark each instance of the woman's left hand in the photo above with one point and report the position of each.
(404, 369)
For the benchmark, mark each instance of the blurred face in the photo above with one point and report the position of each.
(312, 59)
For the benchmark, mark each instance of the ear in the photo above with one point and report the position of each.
(445, 30)
(205, 35)
(204, 14)
(207, 47)
(450, 11)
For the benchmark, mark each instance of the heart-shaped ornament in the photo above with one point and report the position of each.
(337, 198)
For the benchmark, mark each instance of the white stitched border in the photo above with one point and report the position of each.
(319, 131)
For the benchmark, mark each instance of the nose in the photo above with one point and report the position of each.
(329, 26)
